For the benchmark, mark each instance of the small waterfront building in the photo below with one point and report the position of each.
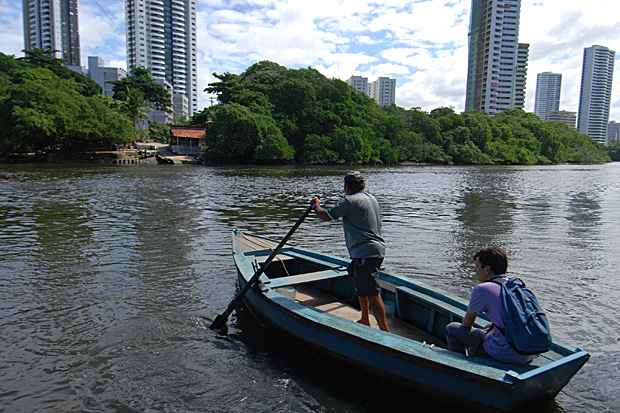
(563, 116)
(187, 140)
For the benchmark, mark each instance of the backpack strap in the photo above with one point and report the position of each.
(495, 280)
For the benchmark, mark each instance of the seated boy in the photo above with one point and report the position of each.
(490, 264)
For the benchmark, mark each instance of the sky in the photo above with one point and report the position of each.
(420, 43)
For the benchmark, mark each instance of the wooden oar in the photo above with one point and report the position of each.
(220, 321)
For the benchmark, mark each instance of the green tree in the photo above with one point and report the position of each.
(226, 89)
(159, 132)
(238, 135)
(138, 93)
(326, 121)
(41, 111)
(352, 145)
(614, 151)
(469, 154)
(318, 150)
(45, 59)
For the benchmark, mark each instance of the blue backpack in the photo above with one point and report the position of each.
(525, 324)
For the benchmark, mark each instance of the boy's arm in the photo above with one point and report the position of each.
(476, 305)
(469, 319)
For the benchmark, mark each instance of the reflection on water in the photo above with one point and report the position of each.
(106, 275)
(486, 214)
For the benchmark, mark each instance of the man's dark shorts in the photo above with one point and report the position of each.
(364, 272)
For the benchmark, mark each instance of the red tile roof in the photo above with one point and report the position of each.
(182, 132)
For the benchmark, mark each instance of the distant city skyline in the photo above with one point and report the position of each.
(423, 45)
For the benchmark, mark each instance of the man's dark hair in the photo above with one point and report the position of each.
(355, 181)
(495, 258)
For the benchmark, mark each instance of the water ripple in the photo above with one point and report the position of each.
(106, 275)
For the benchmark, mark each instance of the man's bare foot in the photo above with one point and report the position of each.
(365, 322)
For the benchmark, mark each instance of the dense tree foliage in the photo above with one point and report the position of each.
(240, 135)
(45, 59)
(614, 151)
(326, 121)
(43, 107)
(158, 132)
(138, 93)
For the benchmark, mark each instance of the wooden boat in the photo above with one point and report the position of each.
(310, 296)
(163, 160)
(176, 160)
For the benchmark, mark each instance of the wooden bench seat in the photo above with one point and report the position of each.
(305, 278)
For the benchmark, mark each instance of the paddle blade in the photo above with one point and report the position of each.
(220, 322)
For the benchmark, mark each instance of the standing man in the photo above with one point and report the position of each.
(361, 221)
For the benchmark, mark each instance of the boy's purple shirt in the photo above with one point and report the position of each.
(485, 299)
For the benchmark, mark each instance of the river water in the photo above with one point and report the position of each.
(107, 275)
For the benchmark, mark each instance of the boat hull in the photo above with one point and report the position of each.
(405, 370)
(438, 372)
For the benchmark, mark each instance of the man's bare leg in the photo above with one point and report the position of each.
(365, 306)
(378, 310)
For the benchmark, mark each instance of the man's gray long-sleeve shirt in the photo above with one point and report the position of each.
(361, 221)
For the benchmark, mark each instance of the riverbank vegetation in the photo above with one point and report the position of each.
(47, 108)
(270, 113)
(614, 152)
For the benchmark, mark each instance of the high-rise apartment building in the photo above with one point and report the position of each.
(595, 98)
(563, 116)
(493, 55)
(523, 51)
(53, 25)
(548, 87)
(104, 75)
(383, 91)
(359, 83)
(161, 36)
(613, 132)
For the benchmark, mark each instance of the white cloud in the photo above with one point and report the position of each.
(102, 32)
(436, 84)
(343, 65)
(366, 40)
(389, 69)
(11, 30)
(423, 44)
(558, 31)
(117, 63)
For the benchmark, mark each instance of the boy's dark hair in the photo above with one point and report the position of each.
(355, 181)
(495, 258)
